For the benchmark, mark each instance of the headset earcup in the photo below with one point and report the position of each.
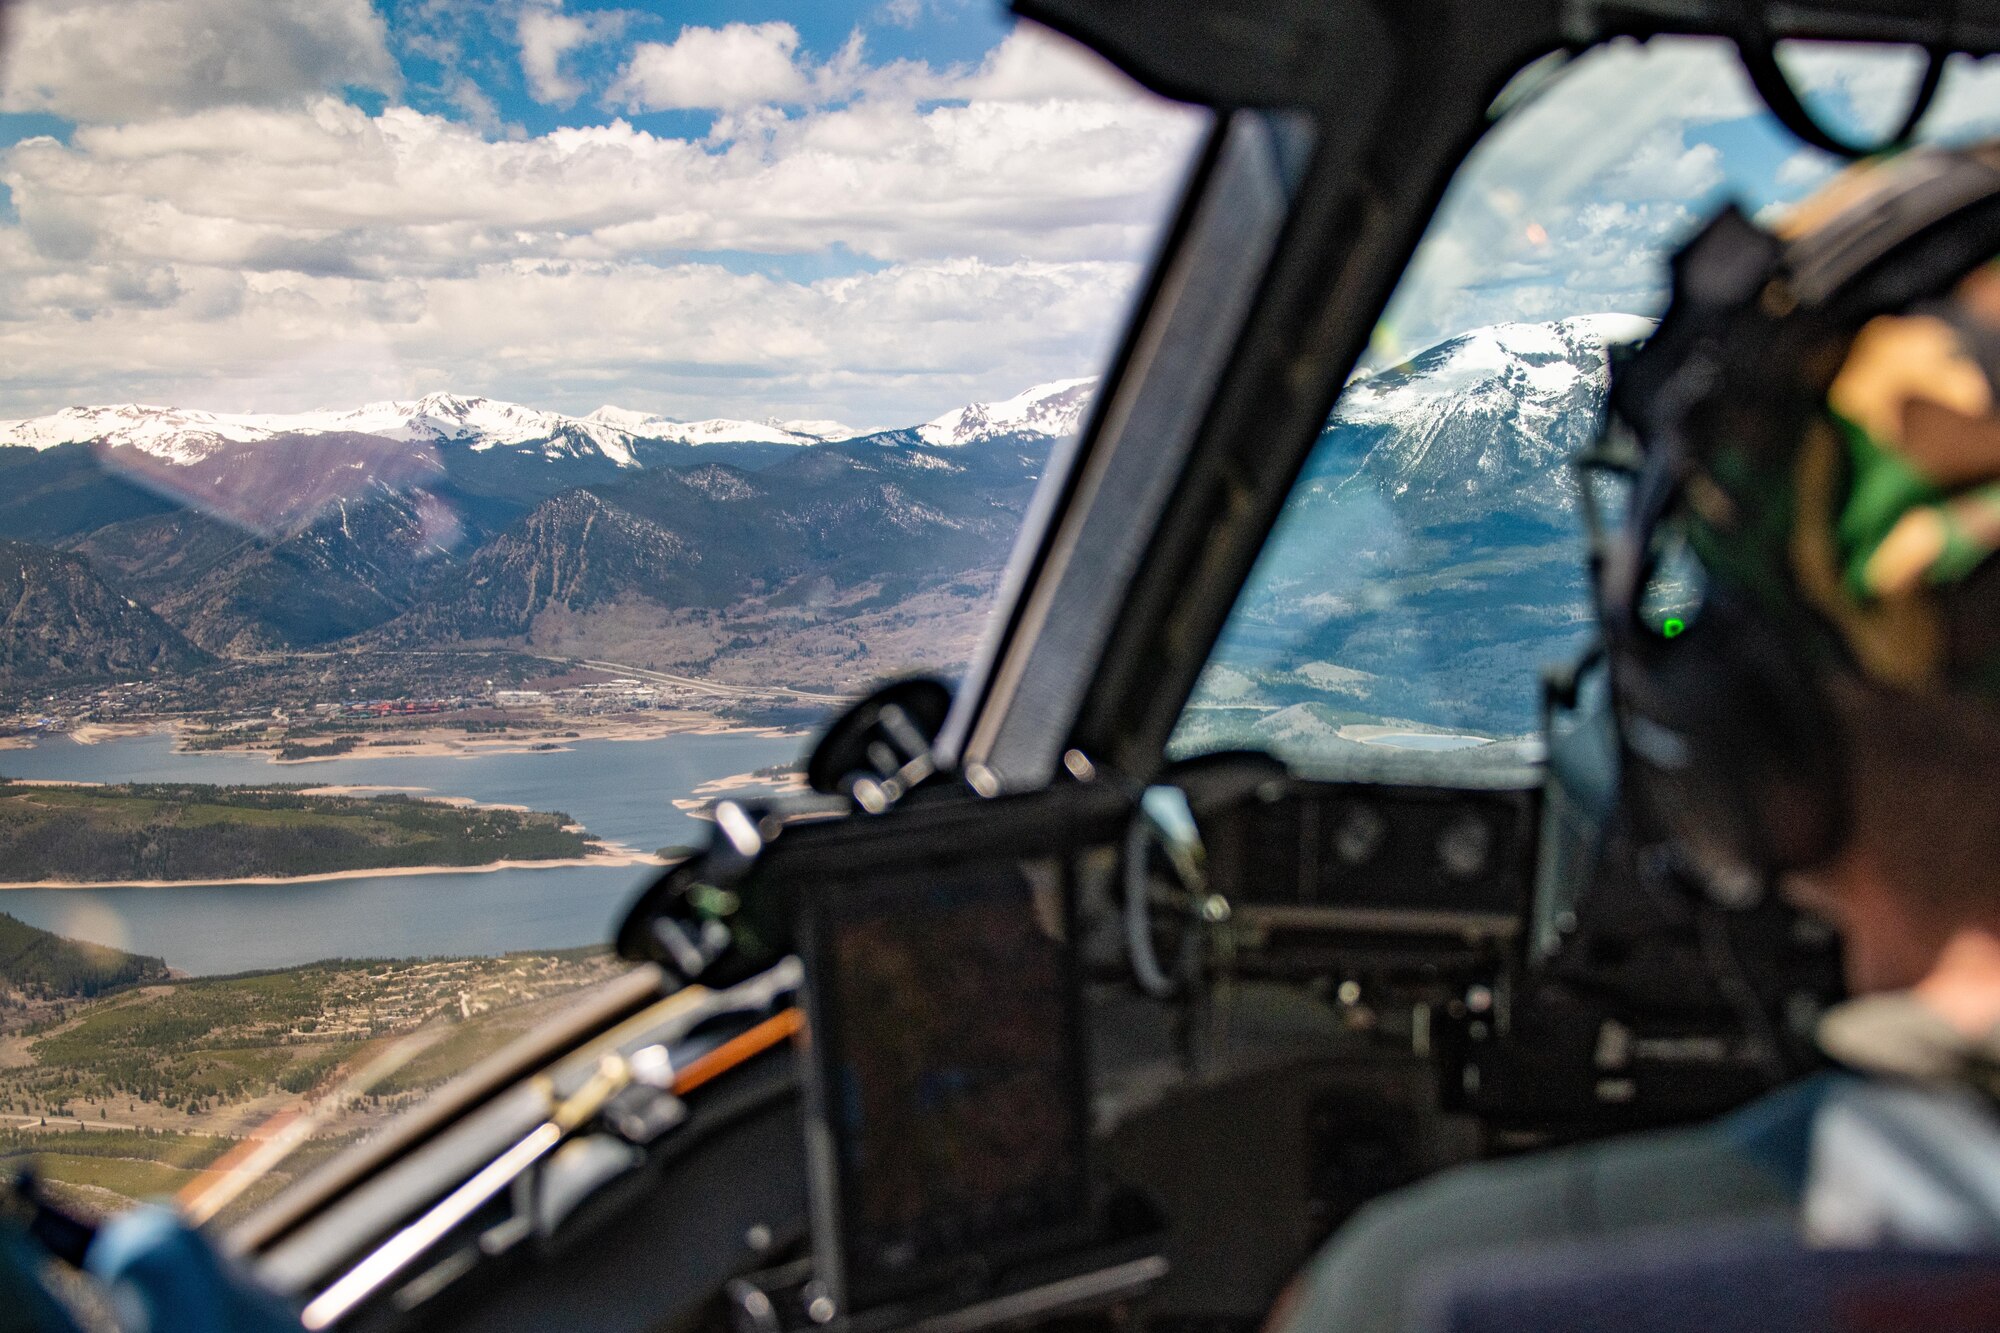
(1731, 752)
(1793, 769)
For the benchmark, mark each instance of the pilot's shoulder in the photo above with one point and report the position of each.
(1636, 1180)
(1748, 1164)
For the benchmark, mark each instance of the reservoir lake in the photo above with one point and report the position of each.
(621, 790)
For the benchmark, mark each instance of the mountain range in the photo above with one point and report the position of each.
(1426, 564)
(186, 435)
(733, 549)
(620, 436)
(59, 622)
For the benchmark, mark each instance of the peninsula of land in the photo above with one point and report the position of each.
(55, 835)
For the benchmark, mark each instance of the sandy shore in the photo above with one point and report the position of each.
(621, 857)
(792, 782)
(701, 802)
(1371, 733)
(90, 733)
(424, 794)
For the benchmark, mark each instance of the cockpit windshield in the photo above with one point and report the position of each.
(444, 449)
(1430, 558)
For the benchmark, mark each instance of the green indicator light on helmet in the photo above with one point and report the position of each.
(712, 902)
(1673, 626)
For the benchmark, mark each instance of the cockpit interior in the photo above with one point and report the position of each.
(1098, 987)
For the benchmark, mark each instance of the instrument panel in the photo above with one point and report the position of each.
(1296, 855)
(1404, 908)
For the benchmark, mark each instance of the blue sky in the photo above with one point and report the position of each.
(939, 32)
(1574, 204)
(436, 46)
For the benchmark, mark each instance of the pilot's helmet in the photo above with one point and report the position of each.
(1893, 494)
(1818, 418)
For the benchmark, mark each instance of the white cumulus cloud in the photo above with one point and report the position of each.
(109, 60)
(889, 347)
(547, 36)
(330, 188)
(929, 236)
(726, 68)
(741, 66)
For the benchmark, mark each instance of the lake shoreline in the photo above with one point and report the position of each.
(537, 736)
(620, 793)
(610, 860)
(1398, 735)
(445, 743)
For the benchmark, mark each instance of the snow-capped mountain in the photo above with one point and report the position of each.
(1444, 485)
(720, 430)
(1529, 377)
(1427, 562)
(1053, 409)
(1541, 365)
(1483, 421)
(271, 472)
(186, 436)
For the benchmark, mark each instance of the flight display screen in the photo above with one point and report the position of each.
(947, 1046)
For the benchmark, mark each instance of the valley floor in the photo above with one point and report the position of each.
(137, 1094)
(308, 707)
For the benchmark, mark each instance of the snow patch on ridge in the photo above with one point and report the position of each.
(187, 436)
(1050, 409)
(720, 430)
(1536, 372)
(1541, 364)
(724, 430)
